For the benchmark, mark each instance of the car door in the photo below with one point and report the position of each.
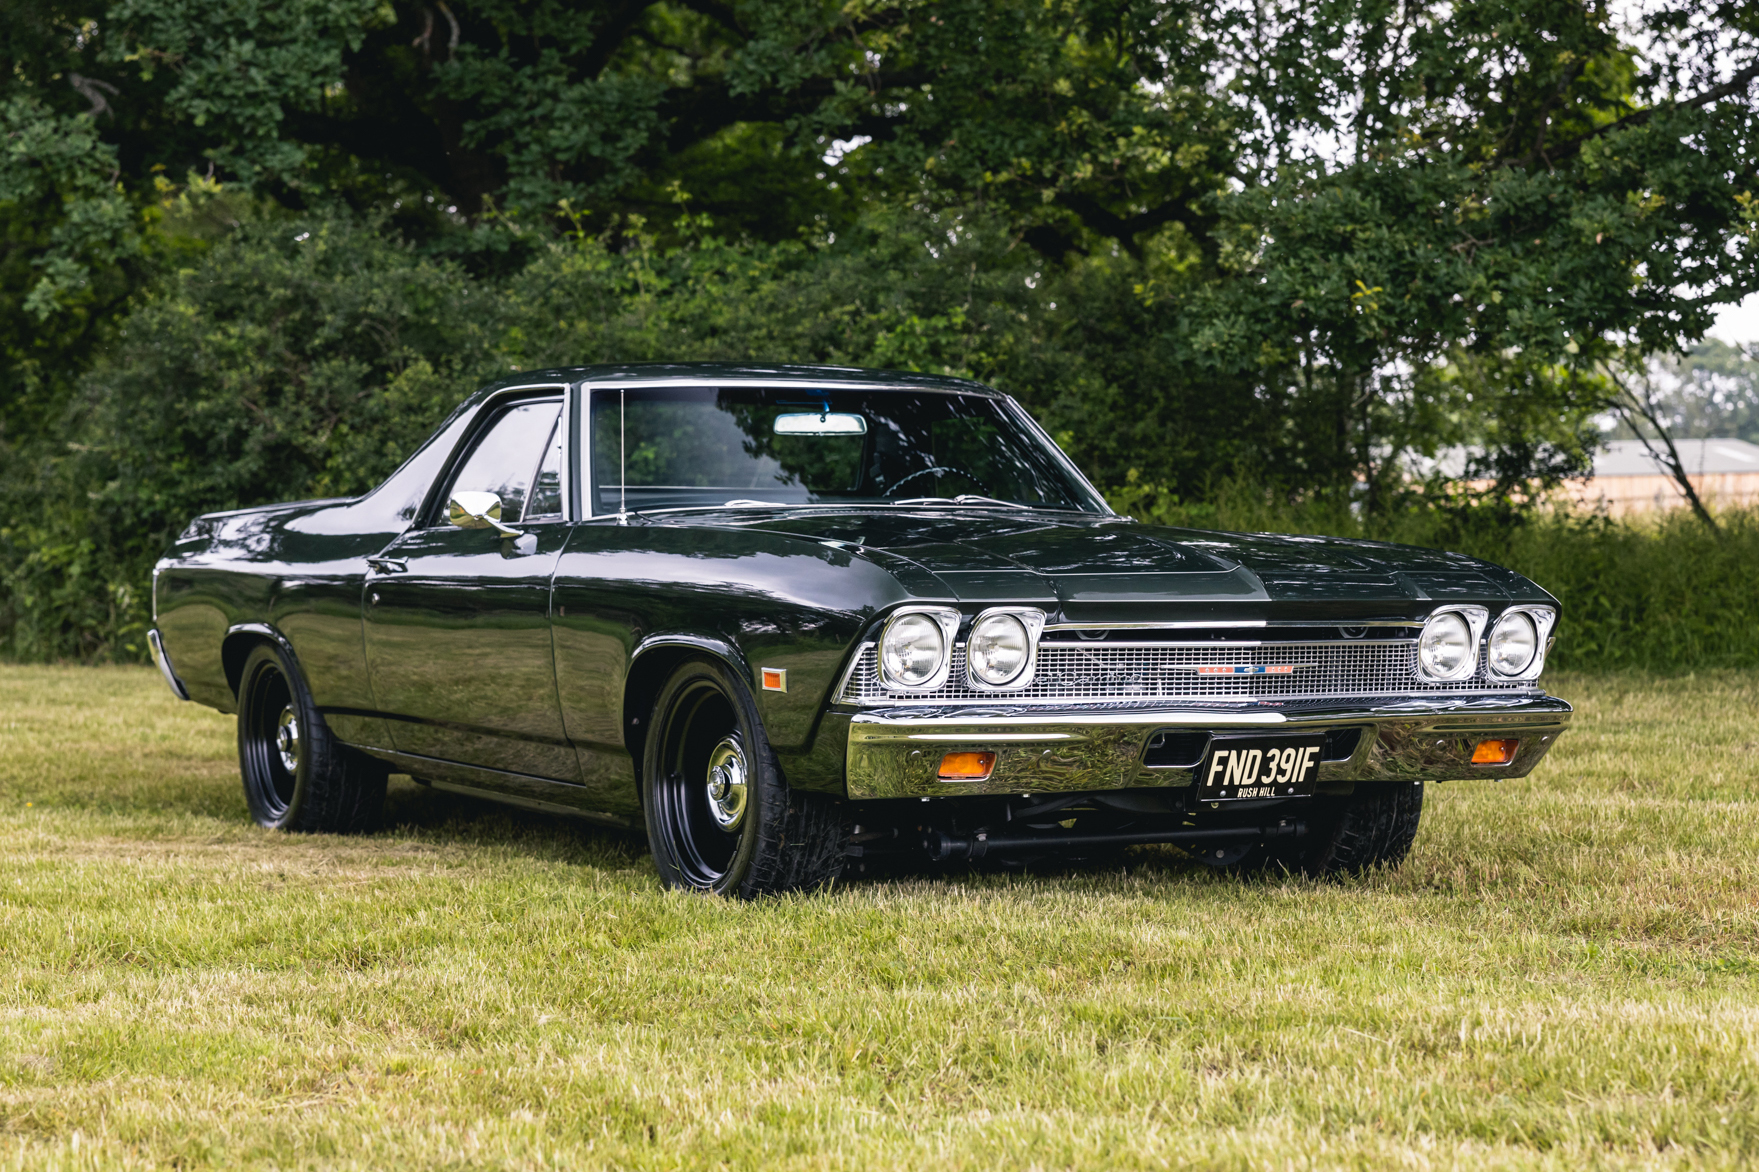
(457, 620)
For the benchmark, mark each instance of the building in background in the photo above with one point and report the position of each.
(1724, 473)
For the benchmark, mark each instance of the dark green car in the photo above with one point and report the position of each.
(797, 619)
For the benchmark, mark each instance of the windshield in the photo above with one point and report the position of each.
(706, 446)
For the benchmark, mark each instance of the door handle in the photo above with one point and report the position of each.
(388, 565)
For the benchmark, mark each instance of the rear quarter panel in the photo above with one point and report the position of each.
(294, 571)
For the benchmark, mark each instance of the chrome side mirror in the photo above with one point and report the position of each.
(477, 510)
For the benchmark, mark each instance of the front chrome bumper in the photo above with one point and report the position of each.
(896, 753)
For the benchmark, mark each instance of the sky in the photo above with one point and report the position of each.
(1738, 324)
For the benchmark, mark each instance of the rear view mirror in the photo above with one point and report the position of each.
(824, 423)
(477, 510)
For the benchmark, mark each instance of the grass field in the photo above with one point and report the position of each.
(1564, 974)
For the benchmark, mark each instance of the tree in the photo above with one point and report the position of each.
(1297, 242)
(1709, 392)
(1326, 199)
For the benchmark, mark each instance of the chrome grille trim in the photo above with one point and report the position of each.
(1234, 624)
(1072, 673)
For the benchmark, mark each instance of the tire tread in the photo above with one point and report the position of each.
(1376, 830)
(801, 837)
(344, 791)
(808, 836)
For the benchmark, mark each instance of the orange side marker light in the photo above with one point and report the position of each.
(1494, 752)
(775, 679)
(967, 766)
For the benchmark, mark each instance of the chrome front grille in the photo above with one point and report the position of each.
(1072, 673)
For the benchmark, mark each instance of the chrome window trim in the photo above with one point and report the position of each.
(1032, 618)
(587, 388)
(1544, 619)
(1095, 497)
(588, 488)
(1477, 618)
(570, 425)
(432, 513)
(948, 619)
(538, 467)
(626, 382)
(873, 506)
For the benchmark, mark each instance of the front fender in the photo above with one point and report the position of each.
(653, 660)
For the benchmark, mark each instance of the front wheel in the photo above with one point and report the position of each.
(296, 775)
(720, 817)
(1373, 827)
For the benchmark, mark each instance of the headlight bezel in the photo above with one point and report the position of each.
(947, 619)
(1029, 617)
(1475, 618)
(1543, 618)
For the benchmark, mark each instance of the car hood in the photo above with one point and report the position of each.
(1113, 564)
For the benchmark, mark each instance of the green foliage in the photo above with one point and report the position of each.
(294, 360)
(1309, 244)
(308, 357)
(1660, 593)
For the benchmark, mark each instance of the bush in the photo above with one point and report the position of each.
(302, 358)
(1657, 592)
(295, 360)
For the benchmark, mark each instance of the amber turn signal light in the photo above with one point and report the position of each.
(967, 766)
(1494, 752)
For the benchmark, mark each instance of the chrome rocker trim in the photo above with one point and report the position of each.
(896, 754)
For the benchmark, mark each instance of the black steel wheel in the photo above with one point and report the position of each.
(296, 775)
(720, 817)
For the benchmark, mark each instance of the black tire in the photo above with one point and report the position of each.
(329, 787)
(1373, 827)
(705, 742)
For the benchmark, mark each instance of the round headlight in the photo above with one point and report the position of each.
(998, 649)
(1514, 641)
(1445, 648)
(913, 650)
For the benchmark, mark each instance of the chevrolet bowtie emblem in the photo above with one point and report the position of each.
(1248, 669)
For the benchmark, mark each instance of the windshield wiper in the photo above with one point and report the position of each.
(964, 498)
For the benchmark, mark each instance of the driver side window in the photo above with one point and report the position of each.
(507, 460)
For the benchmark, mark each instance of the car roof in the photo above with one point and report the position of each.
(777, 374)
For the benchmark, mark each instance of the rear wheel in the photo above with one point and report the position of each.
(720, 817)
(296, 775)
(1373, 827)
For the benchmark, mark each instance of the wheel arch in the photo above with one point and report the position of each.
(240, 640)
(653, 662)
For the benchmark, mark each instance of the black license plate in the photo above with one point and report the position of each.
(1247, 768)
